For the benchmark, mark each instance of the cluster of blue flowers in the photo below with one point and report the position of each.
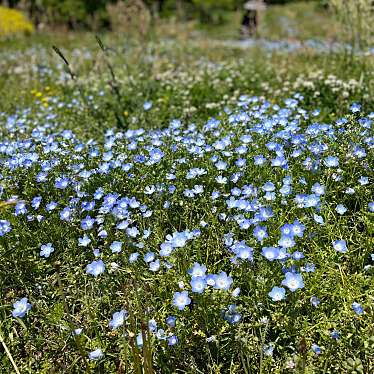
(145, 199)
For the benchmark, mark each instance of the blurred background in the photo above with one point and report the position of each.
(345, 20)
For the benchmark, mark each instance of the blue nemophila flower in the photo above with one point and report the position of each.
(61, 183)
(35, 203)
(149, 257)
(236, 292)
(147, 105)
(335, 334)
(20, 208)
(222, 281)
(340, 246)
(83, 242)
(297, 255)
(371, 206)
(316, 349)
(5, 227)
(363, 180)
(96, 354)
(318, 189)
(331, 161)
(358, 309)
(160, 334)
(133, 257)
(116, 247)
(286, 230)
(172, 340)
(156, 155)
(51, 206)
(268, 349)
(318, 219)
(277, 293)
(170, 321)
(152, 325)
(181, 300)
(154, 265)
(41, 177)
(198, 284)
(21, 307)
(87, 223)
(65, 214)
(286, 241)
(118, 319)
(297, 229)
(77, 331)
(231, 315)
(270, 253)
(95, 268)
(315, 301)
(341, 209)
(293, 281)
(243, 251)
(355, 108)
(46, 250)
(260, 233)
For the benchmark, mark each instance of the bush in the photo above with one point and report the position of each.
(12, 22)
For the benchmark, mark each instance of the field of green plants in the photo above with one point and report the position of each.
(185, 203)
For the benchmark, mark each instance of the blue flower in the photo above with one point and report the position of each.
(197, 270)
(139, 340)
(198, 284)
(170, 321)
(268, 349)
(277, 293)
(95, 268)
(61, 183)
(340, 246)
(316, 349)
(341, 209)
(156, 155)
(87, 223)
(46, 250)
(172, 340)
(315, 301)
(5, 227)
(83, 242)
(65, 214)
(149, 257)
(35, 203)
(355, 108)
(147, 105)
(21, 307)
(260, 233)
(286, 241)
(20, 208)
(270, 253)
(293, 281)
(181, 300)
(222, 281)
(358, 309)
(118, 319)
(154, 265)
(318, 219)
(96, 354)
(133, 257)
(331, 161)
(116, 247)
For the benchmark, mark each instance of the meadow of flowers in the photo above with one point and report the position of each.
(226, 227)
